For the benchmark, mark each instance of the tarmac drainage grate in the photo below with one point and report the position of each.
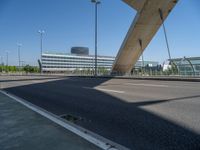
(70, 118)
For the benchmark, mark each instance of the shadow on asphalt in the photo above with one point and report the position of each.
(14, 80)
(164, 100)
(108, 116)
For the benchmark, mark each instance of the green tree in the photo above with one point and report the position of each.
(30, 69)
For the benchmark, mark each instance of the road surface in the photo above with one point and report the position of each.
(138, 114)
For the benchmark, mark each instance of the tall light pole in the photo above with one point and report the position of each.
(41, 32)
(6, 58)
(1, 63)
(19, 57)
(96, 2)
(22, 63)
(2, 60)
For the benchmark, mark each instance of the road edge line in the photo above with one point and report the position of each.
(89, 136)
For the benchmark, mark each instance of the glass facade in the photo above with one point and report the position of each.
(70, 62)
(52, 62)
(140, 64)
(188, 66)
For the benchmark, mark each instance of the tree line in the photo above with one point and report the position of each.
(13, 69)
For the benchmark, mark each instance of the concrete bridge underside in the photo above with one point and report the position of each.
(142, 30)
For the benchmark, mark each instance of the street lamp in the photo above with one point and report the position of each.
(96, 2)
(23, 63)
(19, 47)
(1, 63)
(2, 60)
(7, 58)
(41, 32)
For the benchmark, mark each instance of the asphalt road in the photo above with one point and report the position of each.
(138, 114)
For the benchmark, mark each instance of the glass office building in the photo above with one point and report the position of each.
(146, 64)
(52, 62)
(61, 62)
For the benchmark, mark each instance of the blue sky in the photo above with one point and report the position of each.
(70, 23)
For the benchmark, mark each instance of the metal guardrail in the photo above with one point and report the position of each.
(105, 75)
(151, 73)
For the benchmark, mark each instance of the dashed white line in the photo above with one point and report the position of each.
(106, 90)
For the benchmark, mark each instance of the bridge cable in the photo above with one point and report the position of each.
(166, 39)
(165, 32)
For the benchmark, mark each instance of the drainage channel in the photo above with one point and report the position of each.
(74, 119)
(71, 118)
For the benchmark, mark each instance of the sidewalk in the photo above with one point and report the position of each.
(24, 129)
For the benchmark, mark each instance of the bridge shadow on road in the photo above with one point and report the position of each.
(109, 116)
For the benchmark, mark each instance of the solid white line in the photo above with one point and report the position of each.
(151, 85)
(100, 143)
(106, 90)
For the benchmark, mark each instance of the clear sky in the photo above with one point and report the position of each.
(70, 23)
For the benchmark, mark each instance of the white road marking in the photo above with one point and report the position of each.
(151, 85)
(106, 90)
(99, 141)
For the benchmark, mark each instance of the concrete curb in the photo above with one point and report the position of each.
(162, 78)
(146, 78)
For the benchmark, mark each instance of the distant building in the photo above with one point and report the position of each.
(80, 50)
(187, 66)
(79, 59)
(150, 64)
(52, 62)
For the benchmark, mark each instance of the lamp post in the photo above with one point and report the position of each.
(1, 60)
(96, 2)
(22, 63)
(19, 57)
(7, 58)
(7, 61)
(1, 63)
(41, 32)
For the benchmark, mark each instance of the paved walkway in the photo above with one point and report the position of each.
(22, 129)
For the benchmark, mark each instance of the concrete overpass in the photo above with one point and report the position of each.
(144, 27)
